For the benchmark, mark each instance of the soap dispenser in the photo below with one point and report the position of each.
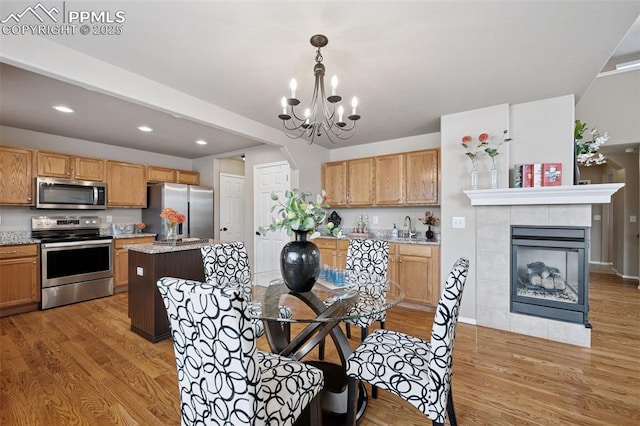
(394, 231)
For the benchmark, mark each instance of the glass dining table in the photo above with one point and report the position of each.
(319, 313)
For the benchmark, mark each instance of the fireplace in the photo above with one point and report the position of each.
(549, 272)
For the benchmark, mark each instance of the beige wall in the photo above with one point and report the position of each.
(612, 104)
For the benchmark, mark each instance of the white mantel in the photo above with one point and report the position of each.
(568, 194)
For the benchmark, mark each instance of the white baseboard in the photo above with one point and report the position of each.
(466, 320)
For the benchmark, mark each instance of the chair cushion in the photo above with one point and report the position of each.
(287, 387)
(394, 361)
(222, 377)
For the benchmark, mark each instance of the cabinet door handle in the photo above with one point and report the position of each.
(34, 262)
(8, 252)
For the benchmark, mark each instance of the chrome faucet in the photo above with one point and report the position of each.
(409, 233)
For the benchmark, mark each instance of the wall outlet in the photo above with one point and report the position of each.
(140, 271)
(458, 222)
(109, 218)
(375, 220)
(597, 217)
(632, 219)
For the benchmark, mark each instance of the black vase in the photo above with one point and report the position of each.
(300, 263)
(429, 233)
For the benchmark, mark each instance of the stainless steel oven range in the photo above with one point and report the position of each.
(76, 261)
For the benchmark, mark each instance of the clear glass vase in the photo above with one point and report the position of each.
(172, 231)
(494, 177)
(474, 177)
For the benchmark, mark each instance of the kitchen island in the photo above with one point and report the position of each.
(147, 264)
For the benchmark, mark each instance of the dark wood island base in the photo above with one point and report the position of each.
(146, 310)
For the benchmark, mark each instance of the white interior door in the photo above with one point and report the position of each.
(232, 207)
(268, 178)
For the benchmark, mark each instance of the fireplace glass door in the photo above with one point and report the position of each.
(549, 272)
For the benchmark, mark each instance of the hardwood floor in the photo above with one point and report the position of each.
(80, 364)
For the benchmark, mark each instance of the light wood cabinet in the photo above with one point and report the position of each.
(416, 268)
(54, 164)
(161, 175)
(126, 185)
(121, 261)
(360, 174)
(188, 177)
(422, 177)
(334, 181)
(16, 177)
(389, 180)
(404, 179)
(89, 169)
(19, 279)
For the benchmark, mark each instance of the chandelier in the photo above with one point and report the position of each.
(322, 117)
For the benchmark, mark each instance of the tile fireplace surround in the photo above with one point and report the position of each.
(496, 211)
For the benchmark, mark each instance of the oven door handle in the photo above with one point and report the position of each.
(79, 244)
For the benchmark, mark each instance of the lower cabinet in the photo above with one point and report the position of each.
(121, 261)
(19, 279)
(416, 267)
(333, 252)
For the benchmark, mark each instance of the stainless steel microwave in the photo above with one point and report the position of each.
(61, 194)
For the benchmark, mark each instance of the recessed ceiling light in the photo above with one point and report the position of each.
(63, 108)
(201, 142)
(145, 129)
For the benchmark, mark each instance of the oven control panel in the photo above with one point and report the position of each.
(64, 222)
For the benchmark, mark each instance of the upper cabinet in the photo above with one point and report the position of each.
(389, 188)
(360, 174)
(410, 178)
(53, 164)
(161, 175)
(188, 177)
(16, 177)
(89, 169)
(334, 181)
(126, 185)
(422, 175)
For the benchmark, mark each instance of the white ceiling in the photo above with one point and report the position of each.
(409, 62)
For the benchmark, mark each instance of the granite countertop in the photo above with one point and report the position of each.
(144, 234)
(17, 238)
(151, 248)
(415, 240)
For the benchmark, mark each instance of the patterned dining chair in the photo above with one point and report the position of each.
(228, 264)
(366, 267)
(416, 370)
(222, 377)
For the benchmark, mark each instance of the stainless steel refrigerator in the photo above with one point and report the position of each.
(195, 202)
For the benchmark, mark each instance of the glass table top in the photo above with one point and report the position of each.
(362, 294)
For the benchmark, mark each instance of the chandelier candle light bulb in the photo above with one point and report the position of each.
(334, 85)
(293, 85)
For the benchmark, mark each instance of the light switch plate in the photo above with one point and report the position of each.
(109, 218)
(458, 222)
(632, 219)
(375, 220)
(140, 271)
(597, 217)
